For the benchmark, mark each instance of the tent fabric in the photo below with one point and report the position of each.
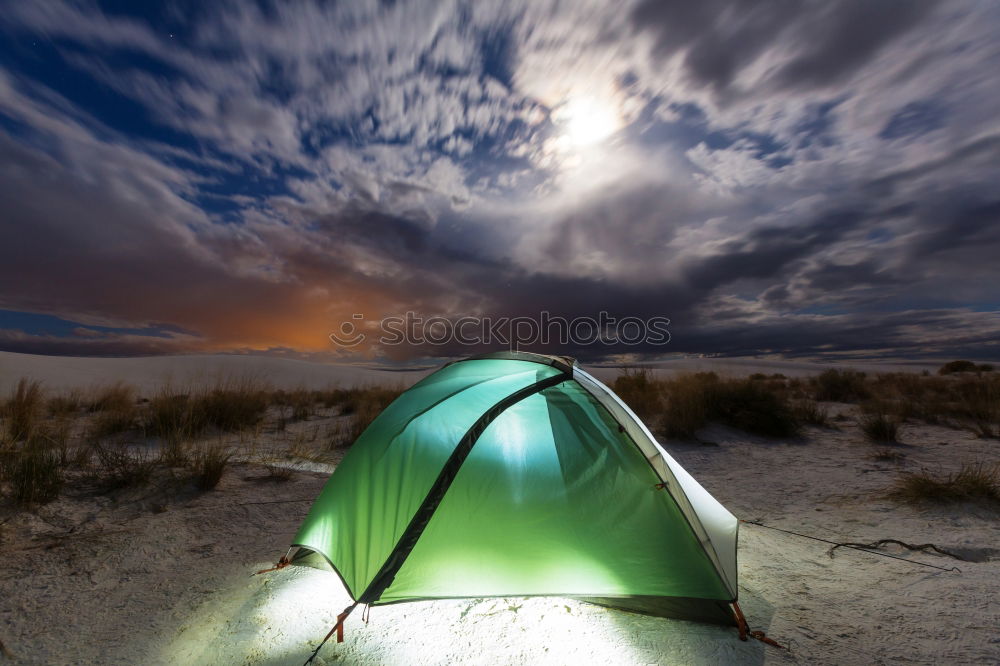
(520, 475)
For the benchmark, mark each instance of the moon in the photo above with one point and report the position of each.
(588, 120)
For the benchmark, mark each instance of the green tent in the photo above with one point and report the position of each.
(517, 474)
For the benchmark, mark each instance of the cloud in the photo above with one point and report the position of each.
(801, 177)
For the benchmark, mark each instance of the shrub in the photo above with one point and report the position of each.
(755, 406)
(331, 397)
(361, 406)
(985, 367)
(119, 467)
(840, 385)
(637, 388)
(811, 413)
(972, 482)
(234, 406)
(957, 366)
(65, 403)
(112, 422)
(174, 417)
(228, 407)
(298, 403)
(879, 427)
(174, 453)
(687, 406)
(23, 410)
(752, 407)
(209, 466)
(117, 397)
(35, 476)
(279, 473)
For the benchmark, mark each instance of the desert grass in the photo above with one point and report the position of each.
(361, 406)
(753, 408)
(840, 386)
(119, 465)
(228, 406)
(641, 392)
(953, 367)
(295, 405)
(970, 402)
(66, 403)
(23, 410)
(680, 406)
(278, 473)
(971, 483)
(113, 421)
(113, 397)
(686, 405)
(879, 427)
(210, 464)
(35, 475)
(810, 412)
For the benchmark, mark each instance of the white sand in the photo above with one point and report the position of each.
(148, 373)
(113, 578)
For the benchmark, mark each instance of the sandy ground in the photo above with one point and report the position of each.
(160, 575)
(150, 373)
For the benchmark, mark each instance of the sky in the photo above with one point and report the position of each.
(782, 177)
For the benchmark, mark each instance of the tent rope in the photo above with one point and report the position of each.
(337, 628)
(865, 548)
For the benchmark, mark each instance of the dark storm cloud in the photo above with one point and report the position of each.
(827, 41)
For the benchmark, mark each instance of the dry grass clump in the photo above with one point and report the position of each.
(118, 466)
(173, 417)
(279, 473)
(114, 397)
(209, 465)
(33, 471)
(840, 386)
(686, 406)
(31, 449)
(115, 411)
(641, 392)
(67, 403)
(972, 482)
(754, 406)
(234, 406)
(23, 410)
(229, 406)
(963, 366)
(879, 427)
(296, 405)
(809, 412)
(361, 405)
(112, 422)
(966, 401)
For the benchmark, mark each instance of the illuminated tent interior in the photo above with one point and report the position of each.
(516, 474)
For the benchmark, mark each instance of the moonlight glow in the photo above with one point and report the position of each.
(587, 121)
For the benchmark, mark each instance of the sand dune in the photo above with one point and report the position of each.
(149, 373)
(160, 574)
